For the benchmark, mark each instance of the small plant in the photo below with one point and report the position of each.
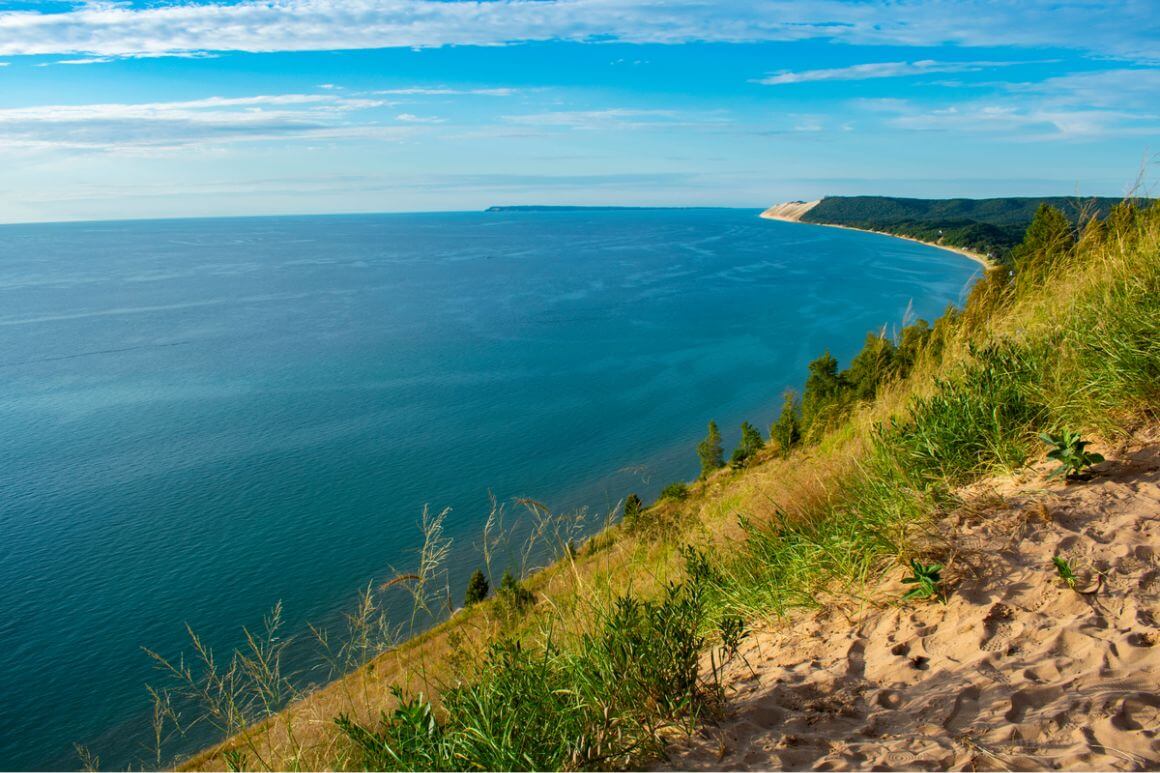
(514, 593)
(1068, 450)
(676, 491)
(926, 579)
(477, 589)
(733, 632)
(1065, 571)
(632, 507)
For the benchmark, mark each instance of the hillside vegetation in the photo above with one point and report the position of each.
(602, 657)
(986, 226)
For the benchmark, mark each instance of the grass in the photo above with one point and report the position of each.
(617, 645)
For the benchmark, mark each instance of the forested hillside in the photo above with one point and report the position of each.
(988, 226)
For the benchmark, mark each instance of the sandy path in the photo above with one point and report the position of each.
(1015, 672)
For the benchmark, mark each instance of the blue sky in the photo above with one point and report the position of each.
(135, 109)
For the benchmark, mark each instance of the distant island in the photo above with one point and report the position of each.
(985, 229)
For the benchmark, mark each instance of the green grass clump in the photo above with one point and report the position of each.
(598, 704)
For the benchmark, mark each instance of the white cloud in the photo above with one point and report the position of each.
(87, 60)
(1126, 29)
(411, 118)
(210, 121)
(859, 72)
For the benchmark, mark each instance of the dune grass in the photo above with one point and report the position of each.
(615, 646)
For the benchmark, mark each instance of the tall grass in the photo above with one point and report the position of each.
(610, 658)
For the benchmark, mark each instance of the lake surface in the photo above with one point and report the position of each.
(201, 417)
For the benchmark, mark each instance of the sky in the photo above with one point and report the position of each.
(114, 110)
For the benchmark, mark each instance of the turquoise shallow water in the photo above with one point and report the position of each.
(204, 416)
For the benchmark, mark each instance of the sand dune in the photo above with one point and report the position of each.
(790, 210)
(1015, 672)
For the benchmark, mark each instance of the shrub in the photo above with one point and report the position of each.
(514, 594)
(787, 430)
(822, 398)
(751, 443)
(632, 509)
(709, 451)
(677, 491)
(477, 588)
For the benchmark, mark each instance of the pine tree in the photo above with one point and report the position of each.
(709, 450)
(1048, 237)
(477, 588)
(515, 593)
(787, 430)
(823, 392)
(873, 365)
(751, 443)
(632, 507)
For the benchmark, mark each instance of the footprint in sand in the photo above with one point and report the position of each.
(999, 627)
(966, 708)
(1031, 699)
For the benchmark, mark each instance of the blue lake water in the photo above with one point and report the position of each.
(201, 417)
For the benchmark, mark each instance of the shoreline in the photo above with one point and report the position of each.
(792, 213)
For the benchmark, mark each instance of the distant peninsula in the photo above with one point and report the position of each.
(983, 229)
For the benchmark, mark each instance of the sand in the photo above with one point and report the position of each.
(1015, 672)
(792, 212)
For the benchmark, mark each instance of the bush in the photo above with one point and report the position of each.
(514, 594)
(477, 588)
(709, 451)
(677, 491)
(632, 509)
(787, 430)
(751, 443)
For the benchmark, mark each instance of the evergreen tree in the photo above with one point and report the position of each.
(913, 340)
(1121, 217)
(823, 392)
(873, 365)
(477, 588)
(632, 507)
(709, 450)
(787, 430)
(515, 593)
(751, 443)
(1048, 237)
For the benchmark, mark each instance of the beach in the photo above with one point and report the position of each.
(792, 212)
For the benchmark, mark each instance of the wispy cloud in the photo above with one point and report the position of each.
(612, 118)
(441, 91)
(1127, 29)
(859, 72)
(1019, 120)
(411, 118)
(211, 121)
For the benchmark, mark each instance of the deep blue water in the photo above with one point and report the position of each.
(201, 417)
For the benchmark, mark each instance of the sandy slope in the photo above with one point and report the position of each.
(1015, 672)
(790, 210)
